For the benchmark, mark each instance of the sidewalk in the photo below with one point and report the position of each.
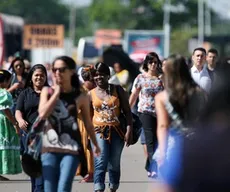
(133, 178)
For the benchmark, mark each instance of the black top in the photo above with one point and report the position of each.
(27, 103)
(211, 74)
(17, 92)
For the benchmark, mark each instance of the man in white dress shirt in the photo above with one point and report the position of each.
(199, 70)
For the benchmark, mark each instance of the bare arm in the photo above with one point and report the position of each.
(46, 104)
(133, 97)
(84, 105)
(18, 115)
(13, 87)
(162, 123)
(90, 104)
(11, 118)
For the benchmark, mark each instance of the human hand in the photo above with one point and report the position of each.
(129, 136)
(161, 159)
(57, 89)
(56, 86)
(17, 85)
(97, 151)
(22, 124)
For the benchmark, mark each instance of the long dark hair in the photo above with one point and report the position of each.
(11, 68)
(70, 63)
(179, 83)
(29, 82)
(149, 59)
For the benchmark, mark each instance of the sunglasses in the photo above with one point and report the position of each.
(19, 65)
(61, 69)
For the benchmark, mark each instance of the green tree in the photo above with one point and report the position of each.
(33, 11)
(110, 14)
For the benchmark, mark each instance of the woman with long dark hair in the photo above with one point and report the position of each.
(27, 109)
(178, 108)
(146, 86)
(18, 79)
(61, 137)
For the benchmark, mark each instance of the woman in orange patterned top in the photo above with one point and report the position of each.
(106, 109)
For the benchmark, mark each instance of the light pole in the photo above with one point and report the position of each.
(200, 18)
(166, 26)
(73, 5)
(72, 27)
(208, 26)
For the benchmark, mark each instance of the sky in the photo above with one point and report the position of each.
(78, 3)
(221, 7)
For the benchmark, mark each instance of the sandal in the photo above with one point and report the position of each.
(87, 179)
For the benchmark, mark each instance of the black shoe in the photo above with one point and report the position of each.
(3, 178)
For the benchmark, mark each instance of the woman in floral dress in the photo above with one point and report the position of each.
(9, 140)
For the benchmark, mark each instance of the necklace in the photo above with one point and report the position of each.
(107, 91)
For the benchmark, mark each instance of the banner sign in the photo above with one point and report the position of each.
(43, 36)
(140, 42)
(107, 37)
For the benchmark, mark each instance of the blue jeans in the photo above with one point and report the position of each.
(110, 158)
(36, 183)
(58, 171)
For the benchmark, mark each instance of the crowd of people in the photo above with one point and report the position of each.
(82, 132)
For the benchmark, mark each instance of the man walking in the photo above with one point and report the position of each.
(211, 62)
(199, 71)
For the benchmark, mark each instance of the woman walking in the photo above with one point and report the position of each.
(146, 86)
(87, 74)
(18, 79)
(107, 102)
(61, 139)
(178, 109)
(27, 109)
(9, 131)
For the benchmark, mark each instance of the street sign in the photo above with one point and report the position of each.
(43, 36)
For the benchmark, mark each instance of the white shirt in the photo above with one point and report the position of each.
(202, 78)
(113, 78)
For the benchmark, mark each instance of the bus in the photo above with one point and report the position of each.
(86, 51)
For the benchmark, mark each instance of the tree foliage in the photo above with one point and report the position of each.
(137, 14)
(33, 11)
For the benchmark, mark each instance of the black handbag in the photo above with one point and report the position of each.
(137, 125)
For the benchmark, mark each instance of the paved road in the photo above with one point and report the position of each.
(133, 177)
